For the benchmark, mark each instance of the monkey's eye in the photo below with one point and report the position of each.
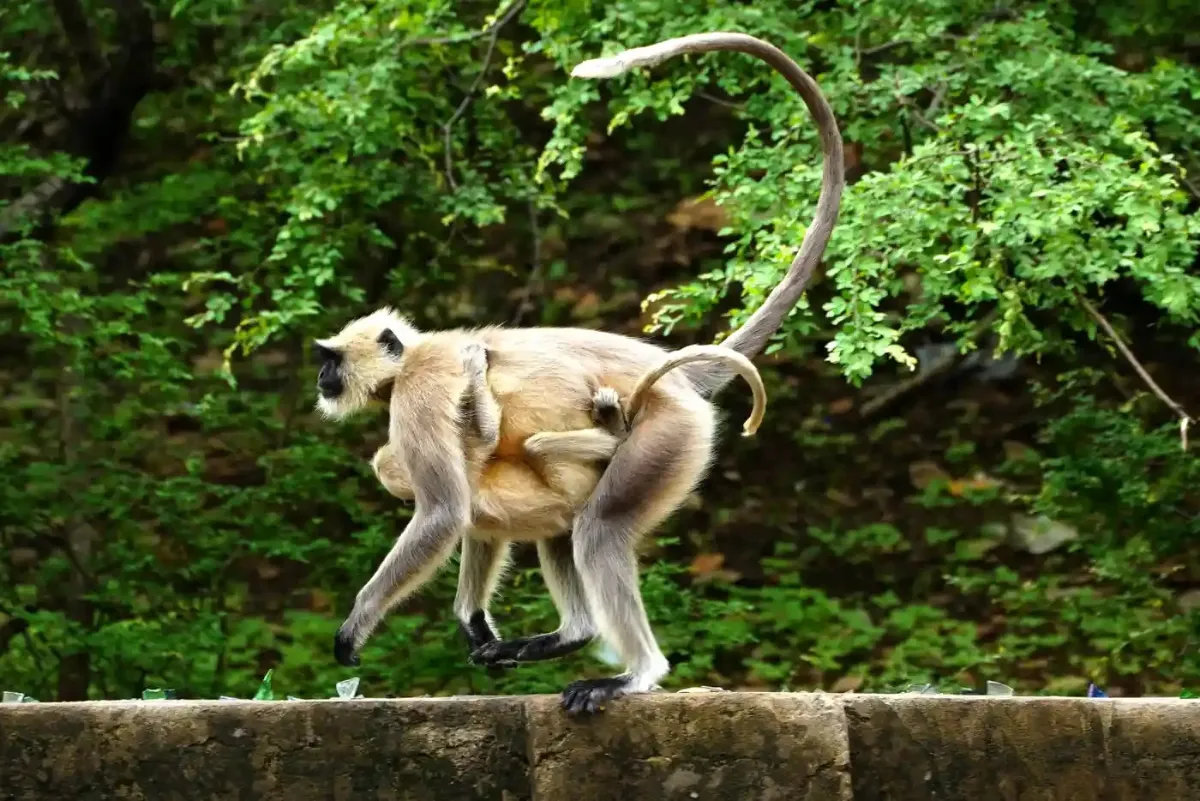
(323, 354)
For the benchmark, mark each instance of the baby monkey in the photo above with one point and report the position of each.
(556, 466)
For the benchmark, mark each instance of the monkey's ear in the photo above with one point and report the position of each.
(391, 343)
(324, 353)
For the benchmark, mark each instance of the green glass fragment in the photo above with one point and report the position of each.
(264, 690)
(13, 698)
(348, 688)
(157, 695)
(1189, 694)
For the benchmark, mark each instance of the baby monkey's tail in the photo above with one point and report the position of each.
(706, 353)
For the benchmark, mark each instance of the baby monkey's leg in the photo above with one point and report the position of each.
(388, 466)
(555, 556)
(581, 445)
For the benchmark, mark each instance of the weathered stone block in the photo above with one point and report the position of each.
(728, 746)
(720, 746)
(453, 749)
(905, 747)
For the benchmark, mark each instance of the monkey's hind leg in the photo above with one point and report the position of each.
(649, 477)
(575, 628)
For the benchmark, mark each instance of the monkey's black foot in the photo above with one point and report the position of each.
(588, 696)
(343, 648)
(497, 654)
(537, 648)
(477, 630)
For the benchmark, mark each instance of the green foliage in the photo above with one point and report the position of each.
(1034, 183)
(174, 514)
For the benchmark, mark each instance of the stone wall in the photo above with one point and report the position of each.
(728, 746)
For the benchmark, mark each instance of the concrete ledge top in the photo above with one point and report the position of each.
(729, 746)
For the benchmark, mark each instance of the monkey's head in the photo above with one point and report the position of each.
(359, 363)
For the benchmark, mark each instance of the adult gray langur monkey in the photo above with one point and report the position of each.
(544, 380)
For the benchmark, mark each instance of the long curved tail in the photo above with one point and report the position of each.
(751, 338)
(730, 359)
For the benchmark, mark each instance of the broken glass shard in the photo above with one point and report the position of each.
(265, 693)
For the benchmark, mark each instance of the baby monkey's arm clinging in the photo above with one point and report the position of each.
(483, 416)
(481, 404)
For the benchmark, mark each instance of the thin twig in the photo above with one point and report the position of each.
(1184, 418)
(494, 35)
(940, 366)
(881, 48)
(459, 38)
(1189, 183)
(938, 96)
(721, 101)
(1181, 173)
(535, 266)
(885, 397)
(916, 112)
(906, 103)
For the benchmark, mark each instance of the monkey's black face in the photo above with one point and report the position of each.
(329, 379)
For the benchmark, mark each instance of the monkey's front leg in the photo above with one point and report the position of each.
(441, 519)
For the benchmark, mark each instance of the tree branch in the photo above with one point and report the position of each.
(101, 128)
(79, 35)
(535, 266)
(1185, 419)
(938, 97)
(882, 48)
(939, 367)
(720, 101)
(493, 32)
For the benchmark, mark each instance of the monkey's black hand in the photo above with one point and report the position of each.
(498, 654)
(343, 648)
(588, 696)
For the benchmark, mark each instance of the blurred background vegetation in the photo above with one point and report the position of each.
(960, 477)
